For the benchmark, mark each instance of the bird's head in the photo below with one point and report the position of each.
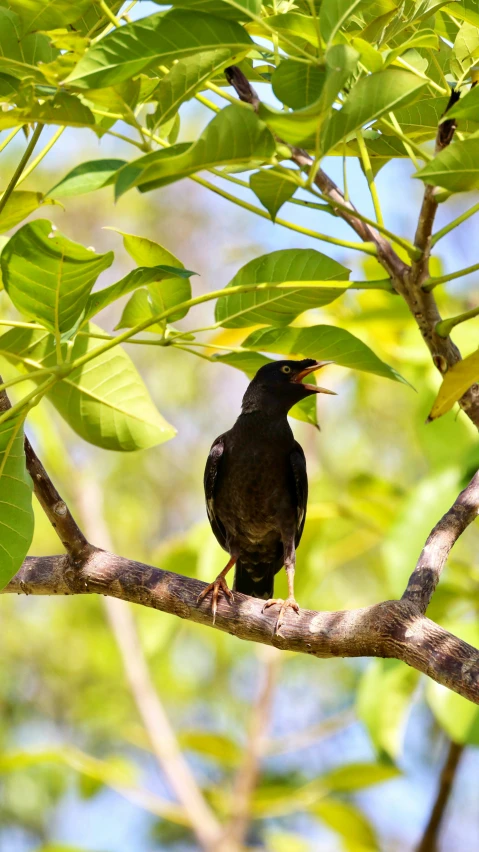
(279, 385)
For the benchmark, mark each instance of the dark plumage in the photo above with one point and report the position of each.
(256, 485)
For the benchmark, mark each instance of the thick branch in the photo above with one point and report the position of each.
(427, 572)
(431, 833)
(390, 629)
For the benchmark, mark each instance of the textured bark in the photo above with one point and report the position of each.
(390, 629)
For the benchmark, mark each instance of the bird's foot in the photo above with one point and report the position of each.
(219, 585)
(283, 606)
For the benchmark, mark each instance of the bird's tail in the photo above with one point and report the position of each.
(254, 580)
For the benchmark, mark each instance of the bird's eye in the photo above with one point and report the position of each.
(285, 369)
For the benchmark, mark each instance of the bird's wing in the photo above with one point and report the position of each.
(211, 477)
(300, 477)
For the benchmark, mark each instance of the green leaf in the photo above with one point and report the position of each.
(185, 79)
(369, 99)
(19, 56)
(455, 383)
(165, 290)
(301, 27)
(62, 109)
(234, 137)
(347, 821)
(158, 39)
(323, 342)
(275, 306)
(467, 10)
(16, 512)
(456, 168)
(273, 189)
(456, 715)
(221, 748)
(137, 310)
(87, 177)
(384, 702)
(299, 126)
(357, 776)
(297, 84)
(40, 15)
(421, 118)
(48, 277)
(467, 107)
(139, 277)
(465, 51)
(105, 402)
(18, 207)
(336, 13)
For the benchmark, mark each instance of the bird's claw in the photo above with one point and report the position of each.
(289, 603)
(217, 586)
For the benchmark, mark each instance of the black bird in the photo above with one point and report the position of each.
(256, 486)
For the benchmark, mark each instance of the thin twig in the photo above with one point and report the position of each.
(429, 840)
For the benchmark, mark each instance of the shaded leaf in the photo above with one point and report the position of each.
(335, 13)
(467, 107)
(323, 342)
(297, 84)
(105, 402)
(40, 15)
(48, 277)
(272, 188)
(238, 10)
(457, 381)
(370, 98)
(185, 79)
(159, 39)
(139, 277)
(19, 56)
(87, 177)
(18, 207)
(234, 137)
(384, 702)
(16, 511)
(274, 306)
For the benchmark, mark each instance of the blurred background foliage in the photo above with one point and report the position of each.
(354, 747)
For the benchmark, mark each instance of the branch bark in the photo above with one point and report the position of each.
(407, 280)
(430, 837)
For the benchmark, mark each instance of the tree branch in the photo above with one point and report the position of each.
(429, 839)
(406, 280)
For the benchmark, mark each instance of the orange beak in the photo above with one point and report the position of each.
(315, 388)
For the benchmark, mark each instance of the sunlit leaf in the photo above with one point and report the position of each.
(349, 822)
(160, 38)
(185, 79)
(16, 512)
(40, 15)
(238, 10)
(384, 702)
(48, 277)
(235, 137)
(105, 402)
(18, 207)
(357, 776)
(273, 189)
(276, 306)
(323, 342)
(87, 177)
(455, 383)
(19, 56)
(335, 13)
(139, 277)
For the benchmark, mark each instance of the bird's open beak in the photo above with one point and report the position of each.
(314, 388)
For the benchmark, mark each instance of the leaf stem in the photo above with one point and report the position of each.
(444, 328)
(30, 376)
(9, 138)
(41, 155)
(23, 162)
(28, 401)
(369, 177)
(433, 282)
(454, 224)
(108, 13)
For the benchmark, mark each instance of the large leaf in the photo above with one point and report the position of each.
(370, 98)
(272, 188)
(465, 52)
(19, 56)
(87, 177)
(48, 277)
(40, 15)
(297, 84)
(324, 342)
(456, 168)
(157, 39)
(105, 401)
(18, 207)
(384, 702)
(235, 137)
(299, 126)
(62, 109)
(238, 10)
(467, 107)
(275, 306)
(455, 383)
(457, 716)
(185, 79)
(166, 290)
(16, 512)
